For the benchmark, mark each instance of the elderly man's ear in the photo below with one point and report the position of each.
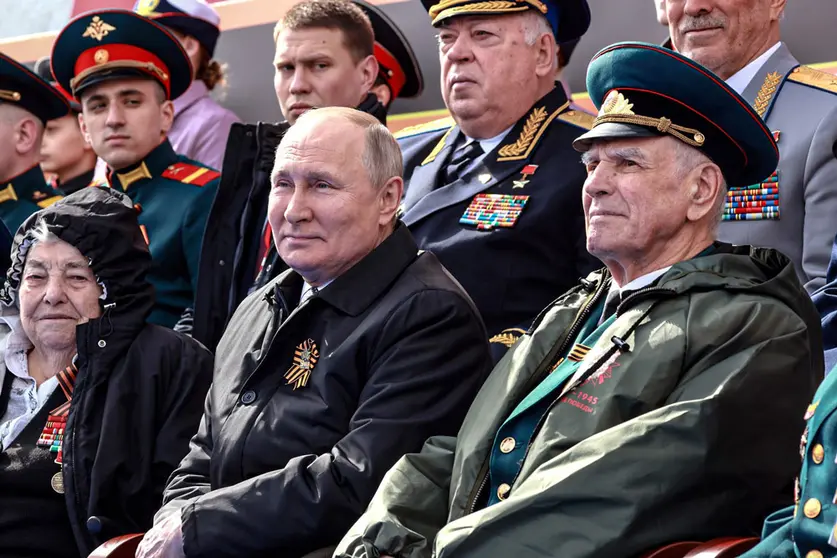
(389, 199)
(707, 183)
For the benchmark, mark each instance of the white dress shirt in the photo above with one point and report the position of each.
(742, 78)
(26, 398)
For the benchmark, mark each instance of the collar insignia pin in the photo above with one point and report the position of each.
(305, 357)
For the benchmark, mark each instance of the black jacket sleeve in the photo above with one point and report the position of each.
(423, 371)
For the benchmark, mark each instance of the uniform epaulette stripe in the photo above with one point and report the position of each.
(194, 175)
(48, 202)
(191, 174)
(578, 118)
(814, 78)
(432, 126)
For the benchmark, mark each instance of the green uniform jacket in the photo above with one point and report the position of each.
(688, 433)
(174, 194)
(809, 527)
(23, 195)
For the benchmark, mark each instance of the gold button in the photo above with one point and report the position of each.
(503, 491)
(507, 445)
(814, 554)
(818, 454)
(812, 508)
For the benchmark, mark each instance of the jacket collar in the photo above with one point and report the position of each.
(360, 286)
(77, 183)
(137, 174)
(423, 198)
(29, 185)
(762, 89)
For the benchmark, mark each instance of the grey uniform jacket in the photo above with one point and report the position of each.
(799, 104)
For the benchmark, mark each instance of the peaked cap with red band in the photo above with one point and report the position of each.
(105, 45)
(396, 60)
(644, 90)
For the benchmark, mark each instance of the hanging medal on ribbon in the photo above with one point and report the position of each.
(52, 435)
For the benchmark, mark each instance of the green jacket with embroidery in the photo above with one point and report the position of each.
(689, 432)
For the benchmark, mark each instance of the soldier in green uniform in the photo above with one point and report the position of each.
(26, 103)
(125, 70)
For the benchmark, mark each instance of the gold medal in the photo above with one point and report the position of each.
(58, 482)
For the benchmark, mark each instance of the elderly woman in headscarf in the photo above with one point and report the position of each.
(96, 406)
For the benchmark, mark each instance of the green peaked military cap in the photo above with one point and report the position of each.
(569, 19)
(645, 90)
(22, 87)
(112, 44)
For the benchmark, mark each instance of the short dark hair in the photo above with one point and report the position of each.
(343, 15)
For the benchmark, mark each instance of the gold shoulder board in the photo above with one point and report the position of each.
(578, 118)
(432, 126)
(814, 78)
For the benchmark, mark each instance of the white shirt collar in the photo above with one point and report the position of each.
(489, 144)
(641, 282)
(308, 290)
(742, 78)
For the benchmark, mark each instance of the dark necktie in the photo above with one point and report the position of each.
(461, 160)
(611, 304)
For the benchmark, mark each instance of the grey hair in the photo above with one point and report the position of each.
(535, 26)
(41, 233)
(688, 158)
(381, 154)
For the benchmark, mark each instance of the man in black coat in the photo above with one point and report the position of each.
(328, 53)
(495, 191)
(332, 371)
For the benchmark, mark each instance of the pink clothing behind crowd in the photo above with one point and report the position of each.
(201, 126)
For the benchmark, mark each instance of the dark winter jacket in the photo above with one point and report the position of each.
(311, 403)
(140, 388)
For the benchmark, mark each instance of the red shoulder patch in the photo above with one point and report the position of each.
(190, 174)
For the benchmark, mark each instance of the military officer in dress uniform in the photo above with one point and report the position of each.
(125, 69)
(27, 102)
(495, 192)
(793, 210)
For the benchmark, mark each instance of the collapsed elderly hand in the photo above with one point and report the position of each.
(164, 540)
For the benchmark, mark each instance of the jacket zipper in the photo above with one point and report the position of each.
(634, 297)
(551, 359)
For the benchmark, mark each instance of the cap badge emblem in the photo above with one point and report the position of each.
(98, 29)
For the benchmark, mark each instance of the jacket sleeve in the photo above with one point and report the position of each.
(700, 465)
(191, 478)
(211, 140)
(417, 482)
(421, 373)
(820, 202)
(184, 394)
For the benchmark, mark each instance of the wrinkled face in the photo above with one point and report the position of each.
(124, 120)
(58, 291)
(63, 144)
(633, 199)
(723, 35)
(314, 68)
(324, 211)
(485, 63)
